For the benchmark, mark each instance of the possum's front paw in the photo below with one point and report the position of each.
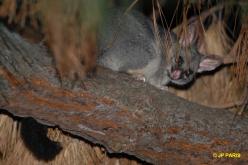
(140, 77)
(164, 88)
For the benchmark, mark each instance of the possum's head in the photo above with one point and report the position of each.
(182, 63)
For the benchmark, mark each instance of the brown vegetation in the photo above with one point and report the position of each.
(223, 88)
(73, 43)
(74, 151)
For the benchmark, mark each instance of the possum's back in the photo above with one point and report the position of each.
(126, 41)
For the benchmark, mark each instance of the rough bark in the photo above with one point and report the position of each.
(116, 111)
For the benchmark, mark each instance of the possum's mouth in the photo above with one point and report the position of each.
(176, 74)
(180, 77)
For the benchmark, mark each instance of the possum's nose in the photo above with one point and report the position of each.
(175, 74)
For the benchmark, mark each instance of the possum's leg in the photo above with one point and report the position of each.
(154, 80)
(140, 77)
(137, 74)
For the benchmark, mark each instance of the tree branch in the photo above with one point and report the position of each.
(116, 111)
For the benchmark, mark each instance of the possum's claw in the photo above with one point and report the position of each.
(140, 77)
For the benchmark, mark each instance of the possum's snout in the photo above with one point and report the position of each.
(176, 74)
(181, 77)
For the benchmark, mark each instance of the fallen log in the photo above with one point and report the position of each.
(115, 111)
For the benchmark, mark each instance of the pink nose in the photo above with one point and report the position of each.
(175, 74)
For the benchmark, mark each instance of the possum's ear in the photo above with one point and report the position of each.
(209, 63)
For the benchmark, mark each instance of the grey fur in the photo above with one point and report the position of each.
(127, 43)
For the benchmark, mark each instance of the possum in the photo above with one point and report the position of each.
(129, 43)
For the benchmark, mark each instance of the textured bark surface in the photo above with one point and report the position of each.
(116, 111)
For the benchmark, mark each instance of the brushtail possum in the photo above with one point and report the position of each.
(130, 43)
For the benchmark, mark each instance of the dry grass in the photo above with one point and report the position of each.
(240, 51)
(73, 44)
(75, 151)
(69, 30)
(240, 70)
(220, 89)
(8, 9)
(9, 129)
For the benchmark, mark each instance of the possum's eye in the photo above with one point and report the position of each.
(180, 61)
